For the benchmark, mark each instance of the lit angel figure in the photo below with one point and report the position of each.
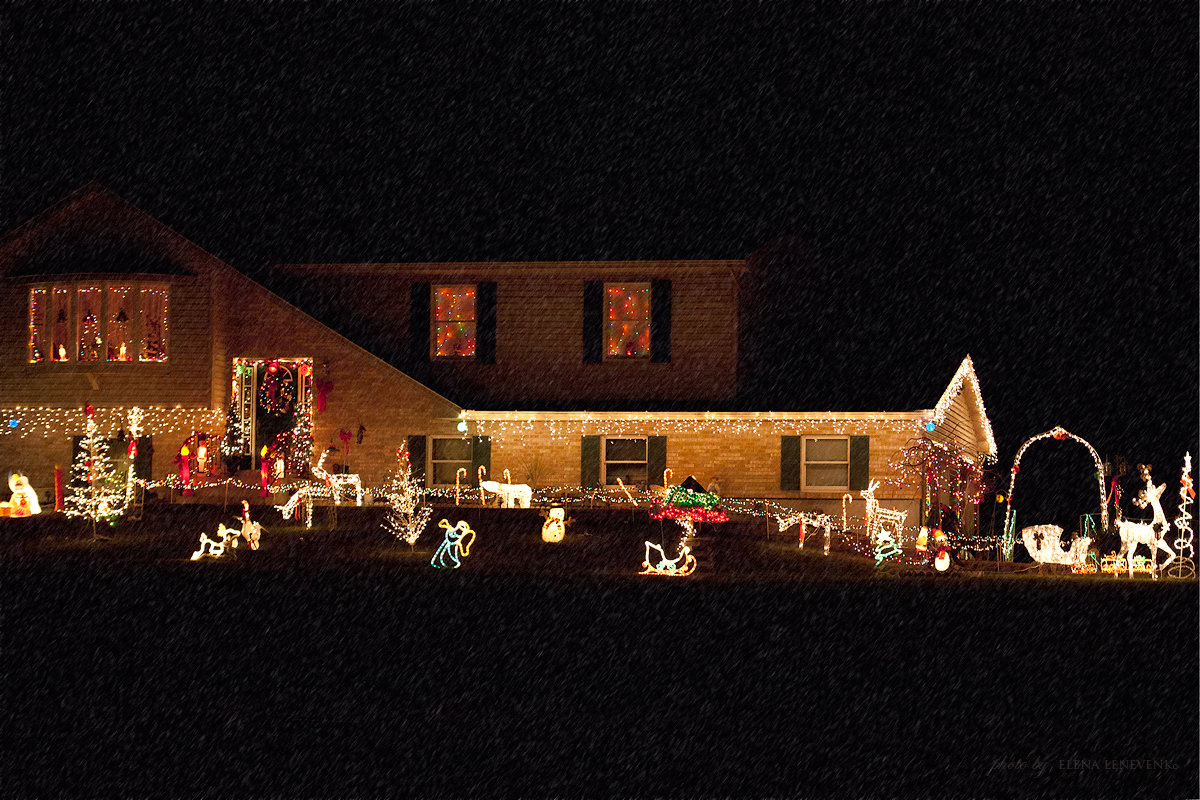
(455, 547)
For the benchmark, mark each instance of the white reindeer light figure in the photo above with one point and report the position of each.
(512, 495)
(1151, 534)
(880, 519)
(302, 495)
(226, 537)
(338, 483)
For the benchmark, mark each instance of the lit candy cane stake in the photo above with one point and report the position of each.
(507, 477)
(458, 476)
(847, 497)
(625, 489)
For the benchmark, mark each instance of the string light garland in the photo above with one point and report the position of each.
(964, 377)
(46, 422)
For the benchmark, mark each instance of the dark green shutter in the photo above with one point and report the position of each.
(418, 323)
(656, 459)
(589, 462)
(481, 456)
(485, 322)
(593, 322)
(860, 462)
(142, 464)
(416, 457)
(660, 321)
(790, 461)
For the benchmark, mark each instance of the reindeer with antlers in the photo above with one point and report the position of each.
(1153, 533)
(881, 519)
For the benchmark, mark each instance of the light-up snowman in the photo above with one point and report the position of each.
(555, 526)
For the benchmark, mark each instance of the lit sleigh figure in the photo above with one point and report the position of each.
(688, 504)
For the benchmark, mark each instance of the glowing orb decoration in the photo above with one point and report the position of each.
(462, 426)
(455, 547)
(12, 423)
(554, 529)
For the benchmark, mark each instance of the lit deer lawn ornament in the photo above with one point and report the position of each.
(226, 537)
(338, 483)
(880, 519)
(1150, 534)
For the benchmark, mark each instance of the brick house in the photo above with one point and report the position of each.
(118, 310)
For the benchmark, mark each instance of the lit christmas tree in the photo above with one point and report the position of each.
(406, 517)
(99, 492)
(1185, 565)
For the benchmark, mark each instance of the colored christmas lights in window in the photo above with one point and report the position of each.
(454, 321)
(60, 324)
(119, 336)
(87, 308)
(37, 325)
(628, 320)
(154, 325)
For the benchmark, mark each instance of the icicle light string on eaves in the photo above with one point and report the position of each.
(44, 422)
(569, 425)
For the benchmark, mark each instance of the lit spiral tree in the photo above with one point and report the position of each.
(406, 517)
(1185, 564)
(98, 491)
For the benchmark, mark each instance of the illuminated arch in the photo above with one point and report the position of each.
(1056, 433)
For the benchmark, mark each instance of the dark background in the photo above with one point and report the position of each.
(1017, 182)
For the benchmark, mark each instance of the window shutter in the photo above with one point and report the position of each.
(790, 461)
(145, 454)
(418, 323)
(481, 456)
(589, 462)
(593, 322)
(660, 321)
(416, 457)
(485, 322)
(656, 459)
(860, 462)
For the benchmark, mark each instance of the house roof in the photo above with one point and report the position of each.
(961, 406)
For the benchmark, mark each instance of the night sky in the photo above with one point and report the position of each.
(1017, 182)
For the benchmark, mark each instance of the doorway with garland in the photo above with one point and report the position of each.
(270, 415)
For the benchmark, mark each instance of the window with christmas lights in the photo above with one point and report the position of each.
(448, 457)
(91, 323)
(37, 325)
(154, 324)
(87, 304)
(454, 321)
(827, 462)
(627, 320)
(625, 458)
(119, 336)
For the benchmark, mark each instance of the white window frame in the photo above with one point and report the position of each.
(604, 462)
(470, 480)
(804, 462)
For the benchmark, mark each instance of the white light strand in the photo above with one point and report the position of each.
(45, 422)
(1185, 565)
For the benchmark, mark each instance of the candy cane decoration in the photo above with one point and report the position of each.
(507, 477)
(625, 490)
(479, 473)
(458, 476)
(667, 475)
(845, 497)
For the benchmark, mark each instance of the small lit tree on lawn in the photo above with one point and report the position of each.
(406, 517)
(98, 493)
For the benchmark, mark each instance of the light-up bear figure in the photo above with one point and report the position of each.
(455, 547)
(24, 501)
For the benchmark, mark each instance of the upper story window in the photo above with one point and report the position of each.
(826, 462)
(627, 320)
(454, 320)
(92, 323)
